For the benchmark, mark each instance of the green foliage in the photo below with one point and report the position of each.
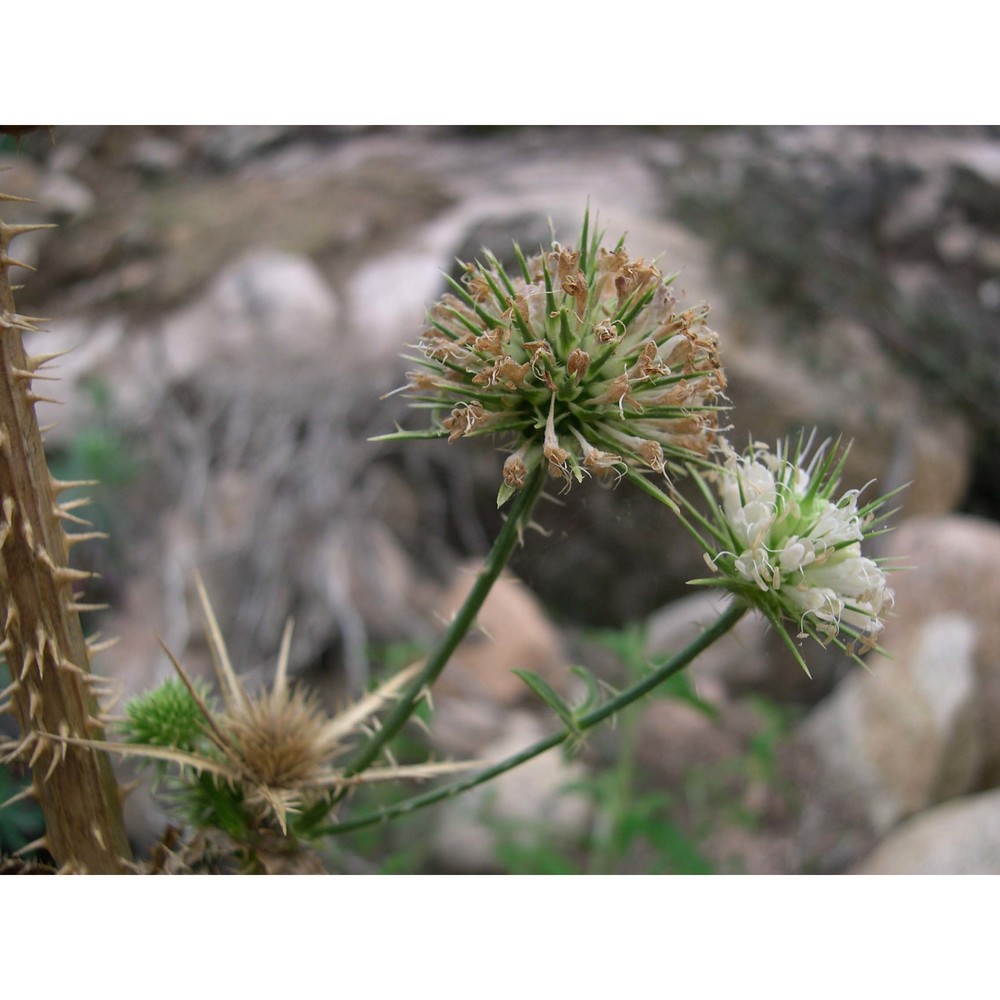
(654, 830)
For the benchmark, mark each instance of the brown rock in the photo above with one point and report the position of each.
(514, 632)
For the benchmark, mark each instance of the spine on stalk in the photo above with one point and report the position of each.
(51, 688)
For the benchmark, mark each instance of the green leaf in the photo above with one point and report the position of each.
(593, 697)
(544, 691)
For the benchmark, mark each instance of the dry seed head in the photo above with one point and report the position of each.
(280, 736)
(579, 352)
(278, 747)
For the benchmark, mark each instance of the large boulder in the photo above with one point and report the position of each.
(918, 728)
(961, 837)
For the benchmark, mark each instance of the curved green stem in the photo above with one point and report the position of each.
(508, 537)
(676, 663)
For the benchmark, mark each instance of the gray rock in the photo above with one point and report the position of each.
(917, 729)
(531, 802)
(157, 156)
(961, 837)
(267, 308)
(751, 658)
(65, 197)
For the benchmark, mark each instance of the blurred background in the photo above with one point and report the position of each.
(236, 300)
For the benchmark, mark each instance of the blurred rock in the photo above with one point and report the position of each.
(918, 729)
(533, 803)
(897, 435)
(750, 658)
(513, 633)
(65, 197)
(961, 837)
(267, 307)
(674, 736)
(157, 156)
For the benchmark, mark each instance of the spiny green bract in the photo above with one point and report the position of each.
(166, 717)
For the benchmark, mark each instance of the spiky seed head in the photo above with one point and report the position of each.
(280, 738)
(167, 716)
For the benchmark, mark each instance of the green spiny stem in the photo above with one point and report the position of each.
(508, 537)
(676, 663)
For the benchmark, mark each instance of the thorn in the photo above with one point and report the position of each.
(36, 845)
(36, 361)
(29, 659)
(14, 197)
(10, 231)
(83, 536)
(64, 515)
(57, 759)
(10, 689)
(45, 428)
(34, 704)
(11, 321)
(33, 398)
(63, 574)
(75, 503)
(79, 608)
(6, 646)
(96, 681)
(12, 617)
(93, 648)
(28, 375)
(61, 485)
(25, 793)
(40, 745)
(6, 261)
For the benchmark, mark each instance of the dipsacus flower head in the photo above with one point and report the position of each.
(781, 541)
(580, 357)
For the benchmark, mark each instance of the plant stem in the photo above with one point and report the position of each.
(497, 559)
(676, 663)
(43, 641)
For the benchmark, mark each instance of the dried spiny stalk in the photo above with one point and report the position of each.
(43, 643)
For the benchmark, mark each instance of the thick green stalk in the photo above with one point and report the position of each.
(509, 535)
(676, 663)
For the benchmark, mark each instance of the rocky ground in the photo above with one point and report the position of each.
(237, 299)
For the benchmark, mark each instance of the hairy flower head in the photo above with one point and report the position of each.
(783, 542)
(580, 357)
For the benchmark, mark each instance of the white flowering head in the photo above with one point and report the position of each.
(784, 543)
(580, 358)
